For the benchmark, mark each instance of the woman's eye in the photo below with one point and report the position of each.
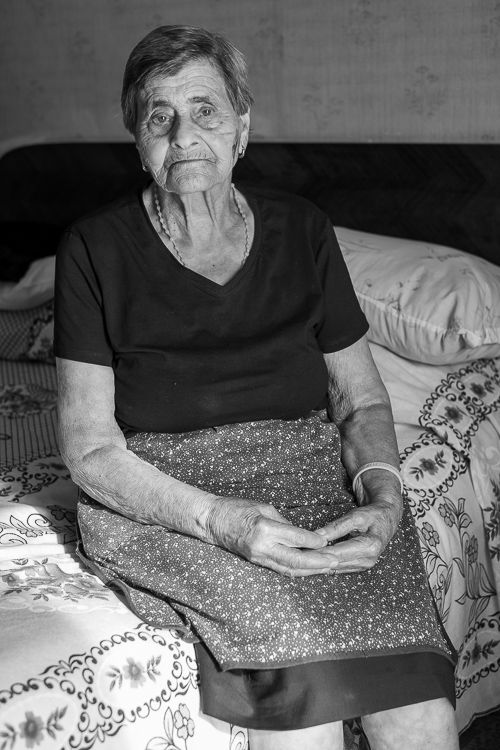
(159, 119)
(206, 111)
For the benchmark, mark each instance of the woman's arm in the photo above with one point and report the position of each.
(95, 451)
(360, 406)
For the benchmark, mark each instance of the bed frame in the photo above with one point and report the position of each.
(447, 194)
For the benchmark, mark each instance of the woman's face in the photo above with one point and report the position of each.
(187, 133)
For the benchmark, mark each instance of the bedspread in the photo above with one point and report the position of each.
(78, 668)
(448, 429)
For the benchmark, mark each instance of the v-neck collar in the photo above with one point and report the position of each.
(212, 287)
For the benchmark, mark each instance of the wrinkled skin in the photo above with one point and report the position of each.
(188, 134)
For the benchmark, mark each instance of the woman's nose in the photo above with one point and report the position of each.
(183, 134)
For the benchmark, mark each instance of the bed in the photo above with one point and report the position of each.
(420, 229)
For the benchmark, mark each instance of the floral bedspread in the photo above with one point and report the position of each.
(79, 670)
(448, 428)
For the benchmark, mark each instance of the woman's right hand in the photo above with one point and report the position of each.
(260, 534)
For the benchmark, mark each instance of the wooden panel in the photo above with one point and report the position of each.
(348, 70)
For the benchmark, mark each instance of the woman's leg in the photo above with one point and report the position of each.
(322, 737)
(420, 726)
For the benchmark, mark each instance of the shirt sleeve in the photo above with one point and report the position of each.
(344, 322)
(80, 328)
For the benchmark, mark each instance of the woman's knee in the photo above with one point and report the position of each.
(321, 737)
(414, 727)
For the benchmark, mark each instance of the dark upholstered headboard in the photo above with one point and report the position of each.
(448, 194)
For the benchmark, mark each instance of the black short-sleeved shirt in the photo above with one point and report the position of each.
(188, 353)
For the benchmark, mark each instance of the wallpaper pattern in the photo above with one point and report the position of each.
(349, 70)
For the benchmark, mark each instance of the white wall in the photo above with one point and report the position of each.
(324, 70)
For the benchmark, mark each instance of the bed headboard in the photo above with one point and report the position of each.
(447, 194)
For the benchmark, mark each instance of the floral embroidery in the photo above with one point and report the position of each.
(32, 729)
(430, 535)
(184, 726)
(446, 513)
(453, 414)
(30, 477)
(17, 530)
(478, 389)
(477, 652)
(183, 722)
(60, 513)
(135, 672)
(492, 522)
(477, 586)
(471, 550)
(26, 399)
(463, 399)
(95, 717)
(429, 465)
(46, 580)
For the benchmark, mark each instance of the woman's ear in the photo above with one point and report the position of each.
(244, 130)
(144, 167)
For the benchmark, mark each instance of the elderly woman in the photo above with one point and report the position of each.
(214, 382)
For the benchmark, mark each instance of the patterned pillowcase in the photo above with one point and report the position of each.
(425, 302)
(28, 334)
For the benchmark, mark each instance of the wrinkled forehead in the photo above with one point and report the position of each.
(195, 79)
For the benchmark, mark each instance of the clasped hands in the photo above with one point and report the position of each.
(260, 534)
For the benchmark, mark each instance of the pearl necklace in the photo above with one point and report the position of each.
(167, 232)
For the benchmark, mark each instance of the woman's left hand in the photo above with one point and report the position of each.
(370, 529)
(360, 406)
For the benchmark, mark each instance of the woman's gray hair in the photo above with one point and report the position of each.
(165, 50)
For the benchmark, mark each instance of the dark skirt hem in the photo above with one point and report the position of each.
(336, 656)
(317, 693)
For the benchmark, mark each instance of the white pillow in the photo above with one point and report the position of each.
(35, 288)
(425, 302)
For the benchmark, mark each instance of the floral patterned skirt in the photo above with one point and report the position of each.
(249, 617)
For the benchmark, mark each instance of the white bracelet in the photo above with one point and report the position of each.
(357, 487)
